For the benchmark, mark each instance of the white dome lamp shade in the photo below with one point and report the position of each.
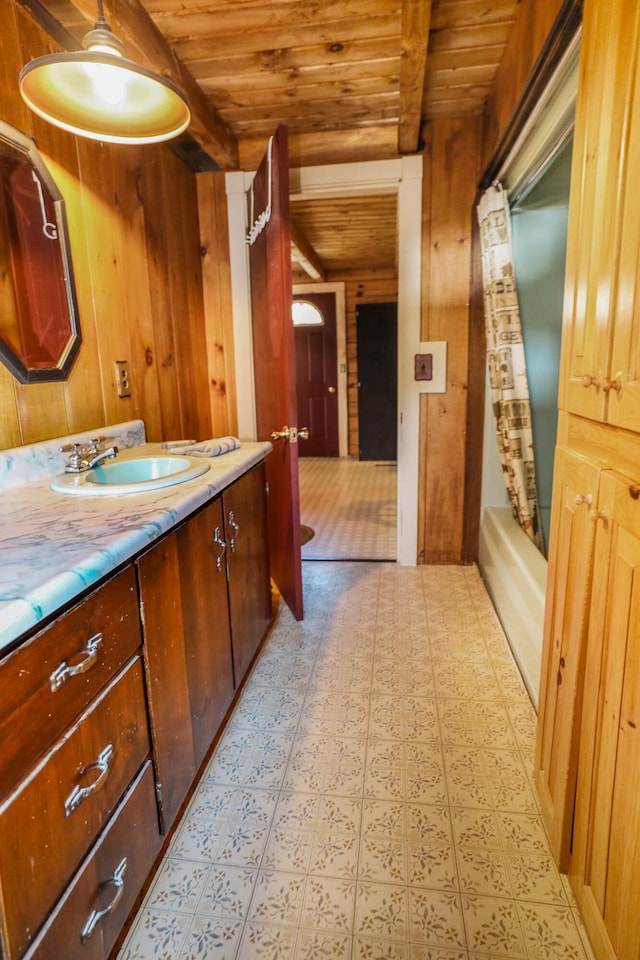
(98, 93)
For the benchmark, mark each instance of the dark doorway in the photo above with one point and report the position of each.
(316, 375)
(377, 345)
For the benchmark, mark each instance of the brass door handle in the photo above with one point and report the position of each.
(291, 434)
(332, 389)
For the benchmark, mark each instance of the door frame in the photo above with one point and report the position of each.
(404, 178)
(299, 289)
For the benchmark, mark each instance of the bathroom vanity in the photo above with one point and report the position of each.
(127, 623)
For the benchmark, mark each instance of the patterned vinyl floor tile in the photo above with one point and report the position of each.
(371, 796)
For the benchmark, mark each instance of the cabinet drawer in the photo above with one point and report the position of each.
(48, 681)
(109, 880)
(49, 823)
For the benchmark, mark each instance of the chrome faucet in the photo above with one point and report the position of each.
(86, 456)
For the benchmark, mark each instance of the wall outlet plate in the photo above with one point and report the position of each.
(123, 381)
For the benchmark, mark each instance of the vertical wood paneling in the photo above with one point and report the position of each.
(146, 400)
(216, 278)
(525, 44)
(158, 251)
(133, 222)
(446, 257)
(180, 204)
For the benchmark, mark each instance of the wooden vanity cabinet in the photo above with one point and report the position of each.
(247, 556)
(106, 716)
(187, 644)
(74, 719)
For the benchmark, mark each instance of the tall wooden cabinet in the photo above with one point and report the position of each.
(588, 746)
(605, 861)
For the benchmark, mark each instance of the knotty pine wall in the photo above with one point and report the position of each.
(136, 249)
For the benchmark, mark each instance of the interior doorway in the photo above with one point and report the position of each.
(377, 357)
(347, 505)
(315, 332)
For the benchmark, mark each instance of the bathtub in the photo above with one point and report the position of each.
(515, 574)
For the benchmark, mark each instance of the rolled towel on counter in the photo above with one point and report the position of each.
(207, 448)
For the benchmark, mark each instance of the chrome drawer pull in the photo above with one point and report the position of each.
(94, 918)
(64, 672)
(217, 539)
(78, 794)
(235, 528)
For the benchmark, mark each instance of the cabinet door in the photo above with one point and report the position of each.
(187, 650)
(167, 675)
(623, 385)
(248, 565)
(569, 576)
(605, 862)
(605, 110)
(205, 617)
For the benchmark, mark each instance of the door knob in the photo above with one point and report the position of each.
(332, 389)
(291, 434)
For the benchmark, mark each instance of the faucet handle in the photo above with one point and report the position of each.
(94, 443)
(74, 450)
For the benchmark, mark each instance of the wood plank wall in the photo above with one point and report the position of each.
(526, 41)
(451, 167)
(135, 243)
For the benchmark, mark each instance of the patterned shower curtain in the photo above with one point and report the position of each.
(505, 356)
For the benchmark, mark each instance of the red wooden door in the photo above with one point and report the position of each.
(317, 377)
(274, 362)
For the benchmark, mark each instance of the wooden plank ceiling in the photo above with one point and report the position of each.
(352, 79)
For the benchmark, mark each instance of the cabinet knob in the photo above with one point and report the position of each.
(584, 498)
(589, 381)
(608, 384)
(599, 515)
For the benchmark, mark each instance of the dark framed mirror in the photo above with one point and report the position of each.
(39, 323)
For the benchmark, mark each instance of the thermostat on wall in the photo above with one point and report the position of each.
(430, 367)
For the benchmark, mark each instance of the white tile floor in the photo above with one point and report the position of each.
(351, 507)
(371, 796)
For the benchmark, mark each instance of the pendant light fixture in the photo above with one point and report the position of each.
(98, 93)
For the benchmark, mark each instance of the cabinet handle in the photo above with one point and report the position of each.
(589, 381)
(87, 659)
(94, 918)
(217, 539)
(608, 384)
(599, 515)
(78, 794)
(586, 498)
(235, 528)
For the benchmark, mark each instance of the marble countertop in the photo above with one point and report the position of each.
(53, 546)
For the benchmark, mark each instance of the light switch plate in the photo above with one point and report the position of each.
(437, 350)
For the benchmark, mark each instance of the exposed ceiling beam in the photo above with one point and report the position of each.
(144, 42)
(416, 20)
(304, 254)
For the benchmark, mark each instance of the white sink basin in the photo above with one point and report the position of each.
(135, 475)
